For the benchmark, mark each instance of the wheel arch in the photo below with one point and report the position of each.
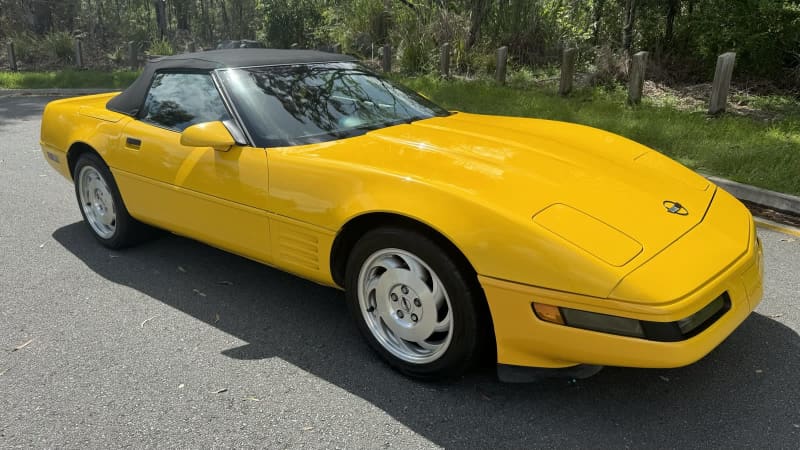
(355, 227)
(74, 153)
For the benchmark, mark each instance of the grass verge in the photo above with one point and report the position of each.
(66, 79)
(753, 150)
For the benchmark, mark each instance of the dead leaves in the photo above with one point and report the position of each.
(21, 346)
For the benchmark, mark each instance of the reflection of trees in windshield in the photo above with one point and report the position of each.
(287, 105)
(322, 95)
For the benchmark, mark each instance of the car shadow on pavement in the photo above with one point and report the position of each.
(746, 388)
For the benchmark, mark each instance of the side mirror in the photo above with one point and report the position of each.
(208, 134)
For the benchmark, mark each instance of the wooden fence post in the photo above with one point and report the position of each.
(78, 53)
(636, 78)
(567, 71)
(133, 55)
(502, 60)
(12, 57)
(722, 83)
(444, 60)
(387, 58)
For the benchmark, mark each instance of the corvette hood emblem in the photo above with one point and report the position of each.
(675, 208)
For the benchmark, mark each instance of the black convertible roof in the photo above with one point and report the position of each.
(131, 99)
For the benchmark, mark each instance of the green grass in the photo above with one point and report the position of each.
(66, 79)
(762, 149)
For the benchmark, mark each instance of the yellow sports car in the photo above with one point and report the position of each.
(555, 247)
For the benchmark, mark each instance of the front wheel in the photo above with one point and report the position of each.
(414, 304)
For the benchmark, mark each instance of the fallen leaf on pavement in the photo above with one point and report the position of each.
(308, 428)
(21, 346)
(3, 372)
(216, 318)
(181, 269)
(181, 386)
(664, 378)
(146, 320)
(200, 293)
(775, 316)
(759, 371)
(251, 399)
(220, 391)
(224, 283)
(787, 239)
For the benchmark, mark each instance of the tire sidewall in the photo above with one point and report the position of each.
(461, 291)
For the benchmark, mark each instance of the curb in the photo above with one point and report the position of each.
(775, 226)
(54, 92)
(764, 197)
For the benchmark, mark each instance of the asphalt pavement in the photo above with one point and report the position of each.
(176, 344)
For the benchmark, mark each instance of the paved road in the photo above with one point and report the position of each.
(135, 348)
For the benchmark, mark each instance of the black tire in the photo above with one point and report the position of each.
(470, 337)
(127, 231)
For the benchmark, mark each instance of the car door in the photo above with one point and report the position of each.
(218, 197)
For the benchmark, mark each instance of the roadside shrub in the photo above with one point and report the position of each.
(59, 45)
(161, 48)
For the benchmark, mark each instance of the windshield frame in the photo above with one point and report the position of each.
(262, 142)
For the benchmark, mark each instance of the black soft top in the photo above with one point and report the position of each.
(131, 99)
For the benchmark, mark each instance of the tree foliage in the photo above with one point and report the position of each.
(683, 36)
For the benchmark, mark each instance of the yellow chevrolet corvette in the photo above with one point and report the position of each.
(556, 247)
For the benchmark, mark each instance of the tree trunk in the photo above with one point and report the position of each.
(597, 15)
(627, 31)
(673, 7)
(41, 17)
(182, 13)
(479, 10)
(161, 17)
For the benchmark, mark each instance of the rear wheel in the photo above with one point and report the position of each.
(414, 304)
(101, 204)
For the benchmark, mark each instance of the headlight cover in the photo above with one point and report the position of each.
(624, 326)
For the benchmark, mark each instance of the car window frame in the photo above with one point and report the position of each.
(234, 124)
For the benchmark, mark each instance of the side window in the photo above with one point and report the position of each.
(179, 100)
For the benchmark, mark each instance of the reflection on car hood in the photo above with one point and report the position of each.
(524, 165)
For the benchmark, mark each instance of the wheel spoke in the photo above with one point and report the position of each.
(444, 324)
(416, 267)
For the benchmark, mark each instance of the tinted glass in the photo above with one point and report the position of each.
(301, 104)
(178, 100)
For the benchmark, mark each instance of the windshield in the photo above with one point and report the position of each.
(303, 104)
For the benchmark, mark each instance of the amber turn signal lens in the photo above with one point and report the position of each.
(548, 313)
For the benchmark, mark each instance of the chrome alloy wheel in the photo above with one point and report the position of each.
(97, 202)
(405, 306)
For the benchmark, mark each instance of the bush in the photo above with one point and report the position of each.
(161, 48)
(59, 45)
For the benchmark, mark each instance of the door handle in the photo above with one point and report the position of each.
(133, 143)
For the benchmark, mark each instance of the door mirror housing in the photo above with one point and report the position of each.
(208, 134)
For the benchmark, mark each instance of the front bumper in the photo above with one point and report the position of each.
(525, 340)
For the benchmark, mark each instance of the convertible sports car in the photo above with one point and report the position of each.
(555, 247)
